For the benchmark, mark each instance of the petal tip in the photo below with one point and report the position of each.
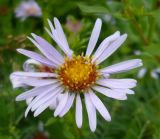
(35, 114)
(93, 129)
(34, 35)
(79, 125)
(55, 19)
(19, 50)
(55, 114)
(99, 20)
(25, 115)
(124, 35)
(109, 119)
(18, 98)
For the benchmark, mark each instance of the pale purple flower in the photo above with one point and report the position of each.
(107, 17)
(155, 73)
(137, 52)
(73, 25)
(27, 9)
(142, 72)
(74, 75)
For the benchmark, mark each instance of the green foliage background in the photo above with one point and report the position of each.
(136, 118)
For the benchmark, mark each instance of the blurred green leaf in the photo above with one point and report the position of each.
(93, 8)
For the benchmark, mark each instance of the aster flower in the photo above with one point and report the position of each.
(142, 72)
(27, 9)
(69, 77)
(74, 25)
(154, 72)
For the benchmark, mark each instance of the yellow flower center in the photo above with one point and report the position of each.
(78, 73)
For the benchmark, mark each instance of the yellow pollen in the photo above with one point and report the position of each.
(78, 73)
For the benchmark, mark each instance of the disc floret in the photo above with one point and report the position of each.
(78, 73)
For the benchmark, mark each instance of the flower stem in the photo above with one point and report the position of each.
(139, 30)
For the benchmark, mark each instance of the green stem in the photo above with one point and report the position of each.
(139, 30)
(152, 24)
(143, 129)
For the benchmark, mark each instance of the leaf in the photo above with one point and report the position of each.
(92, 8)
(153, 49)
(50, 121)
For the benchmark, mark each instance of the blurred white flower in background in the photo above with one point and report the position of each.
(27, 9)
(137, 52)
(154, 73)
(74, 25)
(142, 72)
(108, 18)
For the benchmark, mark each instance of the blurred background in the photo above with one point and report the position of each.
(136, 118)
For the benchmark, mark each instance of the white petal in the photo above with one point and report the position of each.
(40, 98)
(60, 31)
(117, 83)
(54, 36)
(94, 37)
(47, 97)
(38, 82)
(111, 48)
(34, 74)
(19, 79)
(122, 66)
(126, 91)
(51, 26)
(99, 106)
(91, 110)
(47, 49)
(110, 93)
(32, 103)
(105, 43)
(16, 81)
(53, 105)
(29, 100)
(44, 106)
(33, 92)
(37, 57)
(44, 51)
(61, 104)
(105, 75)
(59, 36)
(27, 66)
(78, 111)
(68, 105)
(129, 91)
(62, 36)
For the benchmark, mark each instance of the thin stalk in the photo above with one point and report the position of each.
(139, 31)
